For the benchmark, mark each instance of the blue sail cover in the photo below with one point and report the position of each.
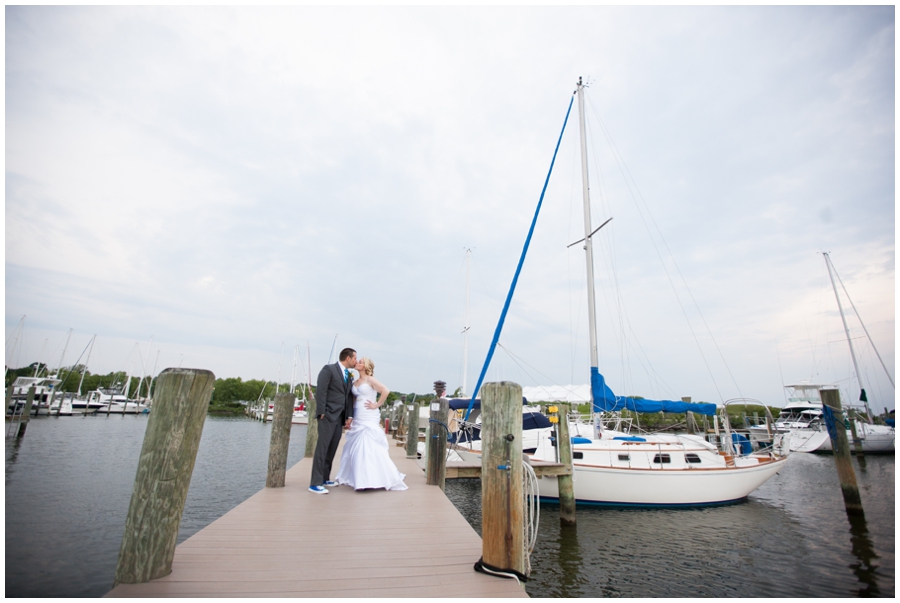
(606, 401)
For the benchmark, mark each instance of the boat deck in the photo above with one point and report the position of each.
(289, 542)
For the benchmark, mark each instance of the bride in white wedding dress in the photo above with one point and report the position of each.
(365, 461)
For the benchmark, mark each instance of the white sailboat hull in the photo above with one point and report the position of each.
(622, 473)
(662, 487)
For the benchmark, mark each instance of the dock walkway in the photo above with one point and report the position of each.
(289, 542)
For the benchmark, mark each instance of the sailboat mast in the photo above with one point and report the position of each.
(466, 327)
(862, 390)
(588, 246)
(84, 370)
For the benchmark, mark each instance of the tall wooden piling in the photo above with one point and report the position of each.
(834, 419)
(26, 413)
(164, 473)
(565, 483)
(436, 455)
(857, 443)
(312, 428)
(502, 496)
(412, 431)
(280, 440)
(401, 422)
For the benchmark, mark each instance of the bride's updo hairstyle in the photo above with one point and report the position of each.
(368, 366)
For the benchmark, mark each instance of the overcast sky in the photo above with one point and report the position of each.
(236, 181)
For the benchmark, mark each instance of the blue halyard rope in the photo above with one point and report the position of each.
(512, 286)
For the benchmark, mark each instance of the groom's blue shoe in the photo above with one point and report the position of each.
(318, 490)
(330, 483)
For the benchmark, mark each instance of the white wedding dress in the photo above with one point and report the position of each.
(365, 462)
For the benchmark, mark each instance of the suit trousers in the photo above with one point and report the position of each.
(329, 438)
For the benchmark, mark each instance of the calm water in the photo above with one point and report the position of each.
(69, 480)
(791, 538)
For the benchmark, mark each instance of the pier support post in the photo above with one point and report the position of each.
(689, 422)
(280, 440)
(857, 443)
(412, 431)
(502, 496)
(401, 422)
(164, 474)
(436, 458)
(312, 428)
(564, 482)
(834, 420)
(26, 412)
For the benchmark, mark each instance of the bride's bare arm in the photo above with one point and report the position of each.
(381, 389)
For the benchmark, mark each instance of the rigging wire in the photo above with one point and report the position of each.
(632, 187)
(872, 343)
(519, 361)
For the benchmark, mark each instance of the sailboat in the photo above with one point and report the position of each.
(617, 469)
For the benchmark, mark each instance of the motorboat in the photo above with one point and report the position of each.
(111, 400)
(44, 391)
(803, 418)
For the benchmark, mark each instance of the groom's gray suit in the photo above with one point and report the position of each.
(334, 400)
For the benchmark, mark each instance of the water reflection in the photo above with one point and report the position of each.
(13, 446)
(863, 549)
(788, 540)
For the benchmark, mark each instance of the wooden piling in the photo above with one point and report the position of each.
(412, 431)
(26, 413)
(689, 421)
(436, 457)
(280, 440)
(401, 422)
(312, 428)
(164, 473)
(566, 486)
(857, 443)
(502, 496)
(831, 400)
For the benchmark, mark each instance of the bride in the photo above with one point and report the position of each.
(365, 462)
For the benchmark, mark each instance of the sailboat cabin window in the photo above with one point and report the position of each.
(690, 457)
(662, 458)
(624, 457)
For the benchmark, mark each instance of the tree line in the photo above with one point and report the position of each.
(230, 394)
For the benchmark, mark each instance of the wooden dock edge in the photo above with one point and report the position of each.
(289, 542)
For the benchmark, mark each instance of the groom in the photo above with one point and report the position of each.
(334, 410)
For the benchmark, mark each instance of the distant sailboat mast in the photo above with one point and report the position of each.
(86, 363)
(862, 390)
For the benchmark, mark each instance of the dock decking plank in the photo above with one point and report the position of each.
(289, 542)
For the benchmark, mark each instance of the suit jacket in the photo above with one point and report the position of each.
(334, 397)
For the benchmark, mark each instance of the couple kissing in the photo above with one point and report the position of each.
(347, 397)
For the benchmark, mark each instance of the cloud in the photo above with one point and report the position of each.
(229, 178)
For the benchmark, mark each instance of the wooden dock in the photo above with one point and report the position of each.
(289, 542)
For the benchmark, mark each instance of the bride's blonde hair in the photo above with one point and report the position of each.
(368, 365)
